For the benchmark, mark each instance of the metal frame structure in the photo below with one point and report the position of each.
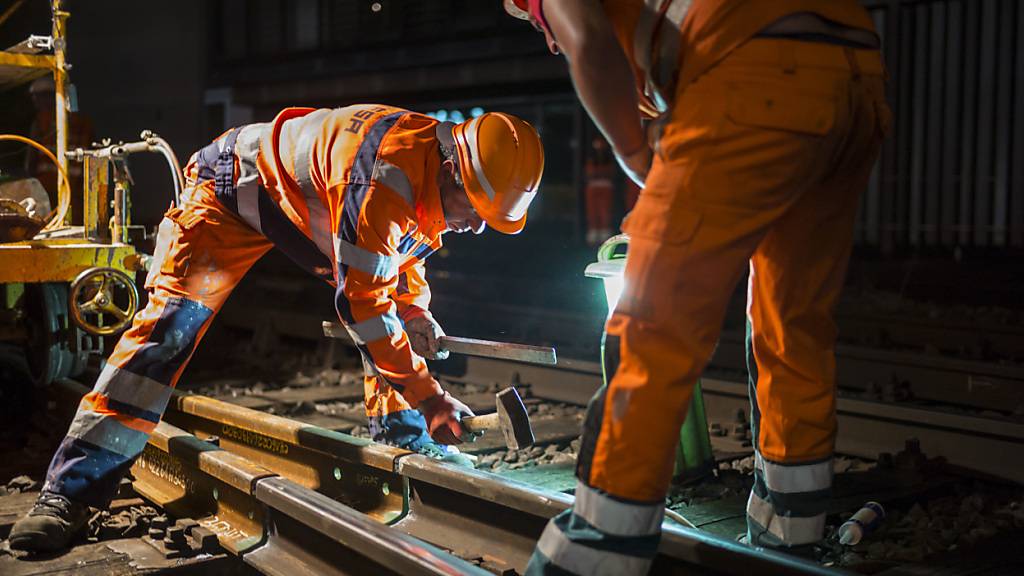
(62, 252)
(85, 270)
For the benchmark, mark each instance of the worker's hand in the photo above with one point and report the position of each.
(425, 337)
(444, 414)
(636, 164)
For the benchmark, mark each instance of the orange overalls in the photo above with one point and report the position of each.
(765, 146)
(350, 195)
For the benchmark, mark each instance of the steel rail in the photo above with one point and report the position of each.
(979, 384)
(992, 445)
(475, 514)
(953, 381)
(275, 525)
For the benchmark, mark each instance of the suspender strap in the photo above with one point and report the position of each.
(656, 46)
(246, 197)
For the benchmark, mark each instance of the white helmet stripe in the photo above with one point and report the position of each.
(516, 11)
(474, 155)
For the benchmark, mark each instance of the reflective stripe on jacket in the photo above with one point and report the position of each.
(351, 195)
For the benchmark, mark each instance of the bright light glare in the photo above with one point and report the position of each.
(476, 111)
(613, 286)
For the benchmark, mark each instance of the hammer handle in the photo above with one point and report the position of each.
(480, 423)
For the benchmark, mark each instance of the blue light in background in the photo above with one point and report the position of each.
(455, 115)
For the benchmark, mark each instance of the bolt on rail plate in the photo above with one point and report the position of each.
(192, 478)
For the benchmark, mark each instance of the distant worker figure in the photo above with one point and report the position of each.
(358, 196)
(44, 131)
(631, 194)
(598, 191)
(766, 118)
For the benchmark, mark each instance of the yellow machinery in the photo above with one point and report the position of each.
(65, 287)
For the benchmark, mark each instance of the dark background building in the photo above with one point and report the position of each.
(942, 220)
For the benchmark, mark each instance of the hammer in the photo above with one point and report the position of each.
(511, 418)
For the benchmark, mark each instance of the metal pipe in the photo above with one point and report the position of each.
(59, 82)
(150, 142)
(120, 231)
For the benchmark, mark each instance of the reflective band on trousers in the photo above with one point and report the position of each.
(319, 217)
(614, 517)
(380, 266)
(580, 559)
(792, 479)
(130, 388)
(791, 530)
(105, 431)
(375, 328)
(393, 177)
(247, 187)
(661, 20)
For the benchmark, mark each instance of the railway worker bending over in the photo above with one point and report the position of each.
(766, 118)
(358, 196)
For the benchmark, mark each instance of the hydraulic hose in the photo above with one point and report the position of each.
(172, 162)
(56, 216)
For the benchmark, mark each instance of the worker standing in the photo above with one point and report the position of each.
(766, 118)
(359, 196)
(44, 131)
(598, 191)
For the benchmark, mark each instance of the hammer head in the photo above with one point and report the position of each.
(513, 419)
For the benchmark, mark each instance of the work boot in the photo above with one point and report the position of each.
(50, 525)
(813, 552)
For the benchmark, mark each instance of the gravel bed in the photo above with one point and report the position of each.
(552, 454)
(960, 521)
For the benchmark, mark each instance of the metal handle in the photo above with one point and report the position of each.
(607, 250)
(504, 350)
(472, 347)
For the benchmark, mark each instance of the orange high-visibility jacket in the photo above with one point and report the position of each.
(350, 194)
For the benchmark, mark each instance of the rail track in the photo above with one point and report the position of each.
(292, 498)
(991, 444)
(888, 356)
(295, 494)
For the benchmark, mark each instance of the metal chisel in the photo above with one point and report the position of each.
(473, 347)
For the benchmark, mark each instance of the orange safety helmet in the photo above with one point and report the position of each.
(501, 160)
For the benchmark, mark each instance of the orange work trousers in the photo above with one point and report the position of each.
(760, 168)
